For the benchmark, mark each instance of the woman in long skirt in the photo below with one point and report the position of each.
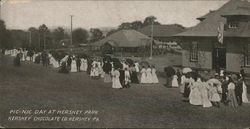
(244, 94)
(143, 75)
(154, 76)
(231, 94)
(195, 94)
(73, 66)
(187, 83)
(182, 84)
(134, 76)
(115, 79)
(149, 75)
(204, 95)
(127, 78)
(107, 67)
(214, 96)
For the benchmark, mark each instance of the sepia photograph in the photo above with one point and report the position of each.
(125, 64)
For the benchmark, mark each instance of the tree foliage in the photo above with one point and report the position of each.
(96, 34)
(4, 36)
(135, 25)
(58, 35)
(80, 35)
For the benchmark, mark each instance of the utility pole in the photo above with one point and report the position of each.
(151, 45)
(71, 35)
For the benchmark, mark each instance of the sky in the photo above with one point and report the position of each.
(22, 14)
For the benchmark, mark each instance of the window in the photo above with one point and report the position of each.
(233, 25)
(194, 52)
(247, 55)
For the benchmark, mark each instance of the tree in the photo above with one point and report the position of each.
(80, 35)
(19, 38)
(124, 26)
(4, 36)
(43, 31)
(136, 25)
(149, 20)
(96, 34)
(58, 35)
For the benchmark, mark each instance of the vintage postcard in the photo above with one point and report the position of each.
(125, 64)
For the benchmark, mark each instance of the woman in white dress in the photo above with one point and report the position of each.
(244, 94)
(54, 62)
(214, 96)
(154, 76)
(175, 81)
(96, 73)
(195, 95)
(115, 79)
(143, 75)
(82, 65)
(92, 69)
(127, 78)
(73, 66)
(204, 95)
(182, 85)
(149, 77)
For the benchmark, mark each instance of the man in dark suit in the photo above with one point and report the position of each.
(239, 89)
(224, 87)
(78, 63)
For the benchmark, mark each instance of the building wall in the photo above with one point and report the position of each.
(234, 62)
(234, 53)
(204, 60)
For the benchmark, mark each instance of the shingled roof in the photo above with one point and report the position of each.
(209, 26)
(162, 30)
(125, 38)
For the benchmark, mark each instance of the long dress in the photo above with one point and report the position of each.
(73, 66)
(137, 67)
(154, 76)
(127, 78)
(204, 95)
(149, 75)
(92, 71)
(188, 82)
(195, 95)
(213, 94)
(85, 65)
(143, 76)
(82, 65)
(34, 57)
(115, 79)
(175, 81)
(23, 57)
(231, 95)
(107, 68)
(134, 77)
(54, 62)
(182, 86)
(244, 94)
(96, 71)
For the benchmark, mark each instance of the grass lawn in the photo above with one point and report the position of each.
(34, 87)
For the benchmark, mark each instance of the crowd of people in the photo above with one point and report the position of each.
(120, 72)
(229, 89)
